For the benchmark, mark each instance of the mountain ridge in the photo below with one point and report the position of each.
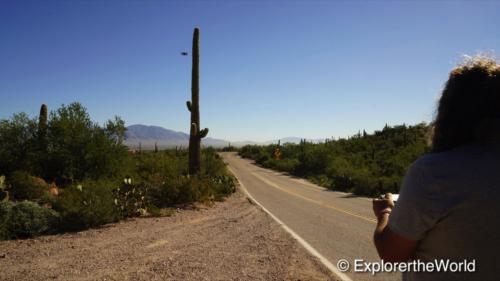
(146, 136)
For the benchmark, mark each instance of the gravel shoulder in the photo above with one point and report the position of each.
(232, 240)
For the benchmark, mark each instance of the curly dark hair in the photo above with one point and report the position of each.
(469, 108)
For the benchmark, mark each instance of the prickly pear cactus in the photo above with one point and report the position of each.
(131, 198)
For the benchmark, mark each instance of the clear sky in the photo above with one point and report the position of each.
(269, 69)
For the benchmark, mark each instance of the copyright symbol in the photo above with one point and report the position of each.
(343, 265)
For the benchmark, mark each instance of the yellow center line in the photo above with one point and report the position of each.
(314, 201)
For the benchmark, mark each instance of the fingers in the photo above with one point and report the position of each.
(388, 196)
(381, 204)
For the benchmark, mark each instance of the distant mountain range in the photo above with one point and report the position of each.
(147, 136)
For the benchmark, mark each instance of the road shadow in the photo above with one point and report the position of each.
(350, 195)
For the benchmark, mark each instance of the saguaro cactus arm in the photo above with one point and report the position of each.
(203, 133)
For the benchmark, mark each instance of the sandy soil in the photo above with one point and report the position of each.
(233, 240)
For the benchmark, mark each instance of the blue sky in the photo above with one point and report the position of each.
(269, 69)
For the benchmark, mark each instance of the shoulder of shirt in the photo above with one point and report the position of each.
(433, 160)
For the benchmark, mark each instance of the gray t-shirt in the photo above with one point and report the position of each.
(450, 203)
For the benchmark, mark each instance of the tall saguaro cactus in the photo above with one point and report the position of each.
(42, 124)
(194, 107)
(42, 142)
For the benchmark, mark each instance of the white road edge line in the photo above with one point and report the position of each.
(299, 239)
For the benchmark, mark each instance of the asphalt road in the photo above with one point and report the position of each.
(337, 225)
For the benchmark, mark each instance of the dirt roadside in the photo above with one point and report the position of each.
(233, 240)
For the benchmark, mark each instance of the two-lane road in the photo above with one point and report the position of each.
(337, 225)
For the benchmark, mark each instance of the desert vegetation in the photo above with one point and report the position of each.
(364, 164)
(63, 172)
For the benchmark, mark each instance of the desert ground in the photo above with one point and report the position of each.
(231, 240)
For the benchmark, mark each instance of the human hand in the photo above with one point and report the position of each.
(382, 206)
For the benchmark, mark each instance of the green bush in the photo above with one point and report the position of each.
(28, 219)
(164, 195)
(82, 149)
(285, 165)
(222, 186)
(178, 190)
(155, 168)
(73, 148)
(89, 204)
(321, 180)
(24, 187)
(185, 190)
(5, 210)
(192, 190)
(17, 143)
(212, 164)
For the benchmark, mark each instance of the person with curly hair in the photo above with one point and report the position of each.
(448, 205)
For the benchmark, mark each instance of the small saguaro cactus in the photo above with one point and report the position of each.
(194, 107)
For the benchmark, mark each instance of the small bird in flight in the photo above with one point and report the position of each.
(184, 53)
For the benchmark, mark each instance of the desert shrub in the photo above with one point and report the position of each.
(47, 199)
(222, 186)
(196, 188)
(17, 135)
(74, 148)
(28, 219)
(204, 188)
(80, 148)
(164, 195)
(212, 165)
(25, 187)
(263, 158)
(5, 210)
(155, 168)
(85, 205)
(363, 182)
(251, 151)
(286, 165)
(321, 180)
(388, 184)
(185, 190)
(177, 190)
